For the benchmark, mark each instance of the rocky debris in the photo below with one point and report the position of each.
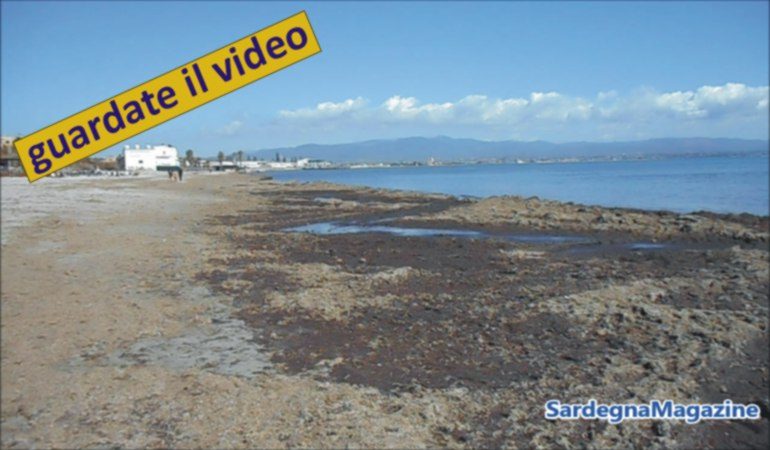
(505, 326)
(517, 254)
(544, 215)
(384, 341)
(394, 275)
(340, 204)
(333, 294)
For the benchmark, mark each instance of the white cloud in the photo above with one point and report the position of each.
(231, 128)
(729, 110)
(731, 99)
(713, 100)
(682, 103)
(408, 108)
(325, 109)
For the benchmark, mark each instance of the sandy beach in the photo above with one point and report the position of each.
(139, 312)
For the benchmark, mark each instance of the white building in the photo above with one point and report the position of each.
(152, 157)
(223, 166)
(316, 164)
(304, 163)
(253, 166)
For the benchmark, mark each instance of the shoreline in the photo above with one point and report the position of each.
(631, 186)
(181, 314)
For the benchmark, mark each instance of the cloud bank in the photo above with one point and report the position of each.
(730, 110)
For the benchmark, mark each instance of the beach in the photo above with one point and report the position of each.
(140, 312)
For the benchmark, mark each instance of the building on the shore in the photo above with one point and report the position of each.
(152, 157)
(252, 166)
(223, 166)
(105, 163)
(196, 163)
(9, 159)
(317, 164)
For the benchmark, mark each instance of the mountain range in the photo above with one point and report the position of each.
(445, 148)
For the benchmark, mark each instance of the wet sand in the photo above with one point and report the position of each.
(139, 312)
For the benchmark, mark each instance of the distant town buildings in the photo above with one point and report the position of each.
(151, 157)
(162, 157)
(282, 164)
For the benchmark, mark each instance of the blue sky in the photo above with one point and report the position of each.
(554, 71)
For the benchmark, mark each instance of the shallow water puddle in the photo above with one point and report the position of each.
(583, 243)
(330, 228)
(647, 246)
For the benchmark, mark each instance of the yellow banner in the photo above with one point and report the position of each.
(167, 96)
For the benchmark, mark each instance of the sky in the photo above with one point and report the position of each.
(560, 72)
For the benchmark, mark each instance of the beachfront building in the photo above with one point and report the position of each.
(9, 159)
(253, 166)
(223, 166)
(280, 165)
(151, 157)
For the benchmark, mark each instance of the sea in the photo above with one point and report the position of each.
(722, 184)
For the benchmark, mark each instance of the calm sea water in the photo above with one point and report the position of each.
(718, 184)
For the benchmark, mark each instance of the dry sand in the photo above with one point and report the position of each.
(98, 302)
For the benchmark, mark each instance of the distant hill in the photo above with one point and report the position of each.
(450, 149)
